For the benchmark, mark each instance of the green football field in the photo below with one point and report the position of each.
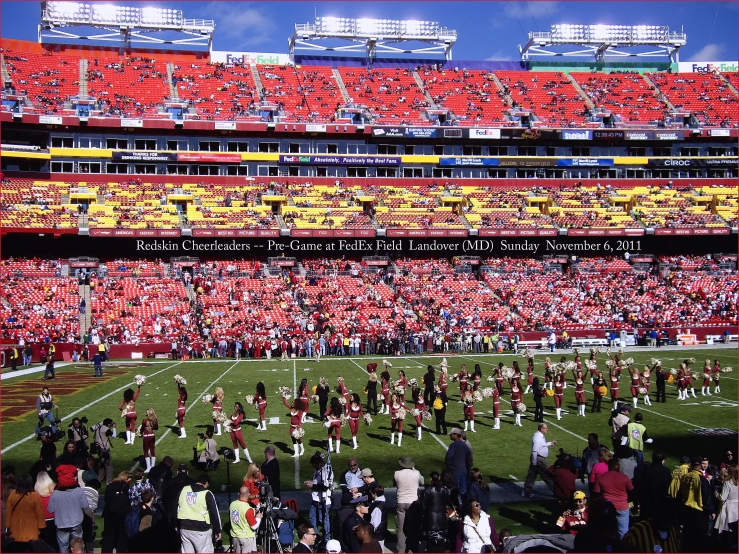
(704, 425)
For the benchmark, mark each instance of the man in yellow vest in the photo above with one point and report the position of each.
(694, 493)
(197, 517)
(13, 358)
(636, 435)
(52, 351)
(101, 351)
(244, 523)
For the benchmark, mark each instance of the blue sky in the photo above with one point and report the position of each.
(487, 30)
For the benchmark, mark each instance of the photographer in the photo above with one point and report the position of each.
(207, 456)
(321, 485)
(44, 405)
(244, 523)
(101, 446)
(77, 432)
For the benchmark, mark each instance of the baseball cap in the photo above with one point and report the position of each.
(578, 495)
(333, 546)
(366, 472)
(182, 468)
(455, 431)
(361, 500)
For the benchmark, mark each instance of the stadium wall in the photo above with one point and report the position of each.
(347, 61)
(603, 67)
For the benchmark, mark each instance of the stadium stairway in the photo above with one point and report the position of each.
(501, 88)
(4, 70)
(581, 92)
(86, 318)
(419, 82)
(728, 84)
(83, 78)
(661, 96)
(340, 83)
(173, 92)
(257, 80)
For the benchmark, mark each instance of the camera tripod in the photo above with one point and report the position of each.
(267, 532)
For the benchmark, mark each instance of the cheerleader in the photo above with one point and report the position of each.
(476, 377)
(420, 405)
(682, 390)
(303, 398)
(402, 382)
(635, 382)
(462, 377)
(706, 379)
(342, 390)
(689, 382)
(578, 365)
(332, 419)
(260, 401)
(645, 382)
(516, 396)
(296, 422)
(396, 422)
(499, 379)
(548, 374)
(355, 413)
(469, 409)
(516, 374)
(237, 439)
(496, 407)
(580, 394)
(559, 394)
(716, 372)
(598, 382)
(529, 375)
(217, 402)
(444, 378)
(148, 426)
(385, 392)
(613, 378)
(128, 409)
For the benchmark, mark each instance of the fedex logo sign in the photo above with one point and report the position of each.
(248, 58)
(708, 67)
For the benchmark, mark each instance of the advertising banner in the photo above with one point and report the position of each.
(585, 162)
(341, 160)
(210, 158)
(669, 135)
(638, 135)
(132, 122)
(720, 132)
(311, 128)
(693, 162)
(484, 134)
(527, 162)
(144, 157)
(226, 125)
(420, 132)
(393, 132)
(577, 135)
(50, 119)
(249, 58)
(486, 162)
(707, 67)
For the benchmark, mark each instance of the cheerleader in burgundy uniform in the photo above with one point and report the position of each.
(476, 377)
(332, 419)
(462, 377)
(396, 422)
(548, 375)
(598, 382)
(469, 409)
(420, 405)
(682, 387)
(516, 374)
(260, 401)
(237, 439)
(371, 368)
(516, 396)
(645, 382)
(499, 379)
(402, 382)
(706, 379)
(296, 422)
(444, 379)
(716, 373)
(128, 409)
(343, 391)
(355, 415)
(529, 375)
(613, 380)
(181, 399)
(385, 391)
(496, 407)
(303, 398)
(559, 394)
(148, 426)
(217, 402)
(689, 382)
(635, 380)
(580, 394)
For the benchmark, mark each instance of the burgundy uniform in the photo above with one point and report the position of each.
(236, 436)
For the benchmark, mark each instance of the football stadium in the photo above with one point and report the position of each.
(358, 295)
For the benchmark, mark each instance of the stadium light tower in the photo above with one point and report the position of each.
(373, 36)
(604, 41)
(70, 21)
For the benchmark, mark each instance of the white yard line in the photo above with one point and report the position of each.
(295, 392)
(30, 370)
(29, 437)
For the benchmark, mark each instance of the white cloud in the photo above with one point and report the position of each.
(500, 56)
(710, 52)
(527, 9)
(249, 25)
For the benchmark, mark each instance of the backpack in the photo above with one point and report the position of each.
(133, 523)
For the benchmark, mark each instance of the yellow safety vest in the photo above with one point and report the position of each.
(52, 349)
(240, 528)
(635, 433)
(14, 354)
(192, 505)
(101, 347)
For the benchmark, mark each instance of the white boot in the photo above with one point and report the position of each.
(466, 424)
(218, 429)
(703, 391)
(338, 446)
(148, 464)
(591, 380)
(236, 454)
(418, 433)
(128, 437)
(528, 388)
(636, 401)
(183, 433)
(246, 455)
(518, 420)
(647, 401)
(302, 449)
(692, 390)
(559, 413)
(564, 386)
(392, 438)
(330, 444)
(153, 462)
(264, 425)
(133, 437)
(354, 441)
(303, 418)
(708, 390)
(472, 426)
(400, 438)
(497, 423)
(296, 452)
(717, 390)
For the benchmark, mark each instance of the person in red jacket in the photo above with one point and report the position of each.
(296, 427)
(355, 414)
(237, 438)
(128, 408)
(181, 399)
